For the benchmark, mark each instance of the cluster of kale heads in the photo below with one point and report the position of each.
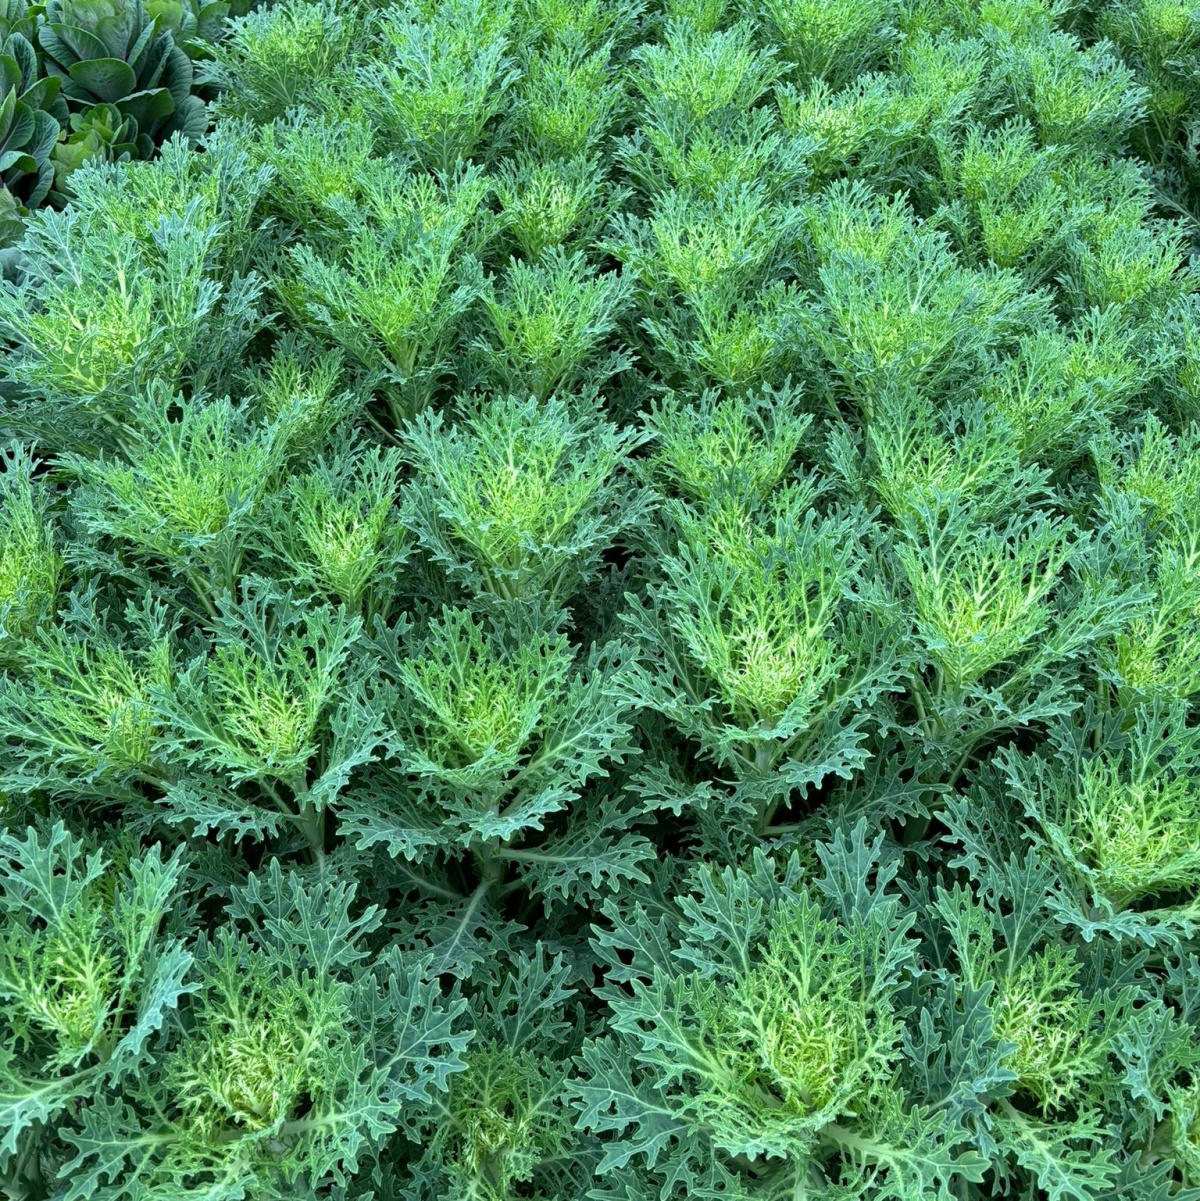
(602, 600)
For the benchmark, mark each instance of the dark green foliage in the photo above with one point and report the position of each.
(600, 601)
(30, 116)
(106, 81)
(112, 52)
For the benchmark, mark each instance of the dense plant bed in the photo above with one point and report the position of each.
(603, 601)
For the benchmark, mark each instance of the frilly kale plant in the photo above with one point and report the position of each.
(599, 601)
